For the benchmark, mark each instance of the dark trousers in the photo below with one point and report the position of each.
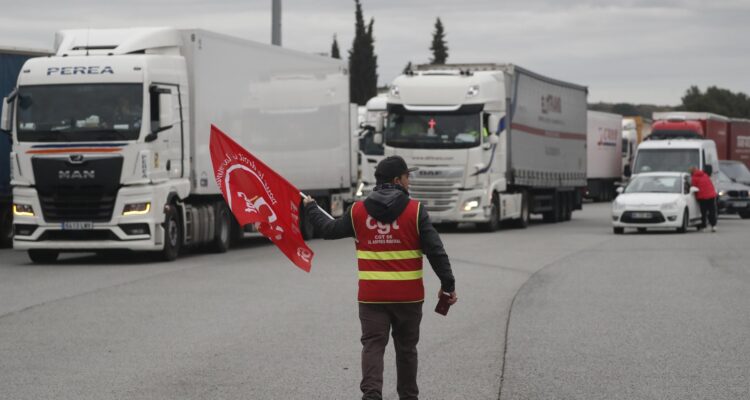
(403, 321)
(708, 209)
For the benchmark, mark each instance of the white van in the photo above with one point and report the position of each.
(677, 156)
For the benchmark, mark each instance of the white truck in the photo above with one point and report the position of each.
(111, 135)
(370, 153)
(493, 142)
(677, 155)
(603, 155)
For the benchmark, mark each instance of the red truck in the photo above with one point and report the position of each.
(739, 140)
(694, 125)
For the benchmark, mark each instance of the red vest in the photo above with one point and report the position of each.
(389, 256)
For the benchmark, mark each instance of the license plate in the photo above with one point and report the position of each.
(641, 215)
(738, 204)
(77, 225)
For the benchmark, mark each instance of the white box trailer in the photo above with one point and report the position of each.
(111, 136)
(493, 142)
(603, 155)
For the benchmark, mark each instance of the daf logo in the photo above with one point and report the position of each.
(75, 174)
(76, 158)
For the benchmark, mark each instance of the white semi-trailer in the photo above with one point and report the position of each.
(111, 134)
(494, 142)
(604, 155)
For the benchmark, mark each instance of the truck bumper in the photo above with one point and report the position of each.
(471, 206)
(133, 232)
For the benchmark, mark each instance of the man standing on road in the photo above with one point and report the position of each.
(391, 232)
(706, 196)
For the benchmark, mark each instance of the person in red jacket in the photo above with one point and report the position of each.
(706, 196)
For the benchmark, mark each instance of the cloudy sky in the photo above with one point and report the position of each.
(645, 51)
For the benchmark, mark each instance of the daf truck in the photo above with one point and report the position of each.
(11, 60)
(111, 134)
(493, 142)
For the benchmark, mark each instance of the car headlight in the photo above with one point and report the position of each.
(722, 193)
(669, 206)
(617, 206)
(23, 210)
(136, 208)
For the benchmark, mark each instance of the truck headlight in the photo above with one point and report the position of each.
(669, 206)
(23, 210)
(136, 208)
(471, 204)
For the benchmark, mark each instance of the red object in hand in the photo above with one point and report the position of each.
(443, 306)
(257, 194)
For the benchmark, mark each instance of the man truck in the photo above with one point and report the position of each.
(493, 142)
(603, 155)
(11, 60)
(111, 136)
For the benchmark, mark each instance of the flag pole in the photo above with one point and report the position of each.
(319, 207)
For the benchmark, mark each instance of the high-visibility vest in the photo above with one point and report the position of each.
(389, 256)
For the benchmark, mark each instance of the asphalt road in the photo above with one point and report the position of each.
(595, 316)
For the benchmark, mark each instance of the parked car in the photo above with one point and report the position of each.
(733, 197)
(656, 200)
(736, 171)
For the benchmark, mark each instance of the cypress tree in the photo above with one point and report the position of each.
(439, 46)
(335, 48)
(363, 77)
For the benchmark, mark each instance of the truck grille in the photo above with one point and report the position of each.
(435, 195)
(82, 191)
(737, 193)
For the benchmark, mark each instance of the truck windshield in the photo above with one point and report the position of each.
(62, 113)
(672, 160)
(445, 130)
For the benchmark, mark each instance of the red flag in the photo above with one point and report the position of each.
(256, 193)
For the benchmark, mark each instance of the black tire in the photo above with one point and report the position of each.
(641, 230)
(556, 214)
(744, 214)
(618, 231)
(172, 234)
(494, 223)
(567, 214)
(307, 228)
(223, 230)
(523, 221)
(6, 226)
(43, 256)
(685, 219)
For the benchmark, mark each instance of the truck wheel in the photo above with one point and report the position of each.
(6, 227)
(523, 221)
(223, 231)
(744, 214)
(307, 228)
(43, 256)
(618, 231)
(553, 215)
(172, 234)
(494, 223)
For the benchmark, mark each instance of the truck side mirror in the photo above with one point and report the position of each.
(493, 139)
(619, 190)
(377, 138)
(494, 124)
(627, 172)
(5, 121)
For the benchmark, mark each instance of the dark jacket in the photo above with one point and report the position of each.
(385, 204)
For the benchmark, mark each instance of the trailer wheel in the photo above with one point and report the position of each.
(494, 223)
(172, 234)
(554, 215)
(223, 231)
(568, 209)
(43, 256)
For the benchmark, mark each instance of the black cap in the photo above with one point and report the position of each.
(391, 167)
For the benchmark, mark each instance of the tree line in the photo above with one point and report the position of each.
(363, 77)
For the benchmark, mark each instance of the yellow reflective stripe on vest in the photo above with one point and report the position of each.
(389, 255)
(390, 276)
